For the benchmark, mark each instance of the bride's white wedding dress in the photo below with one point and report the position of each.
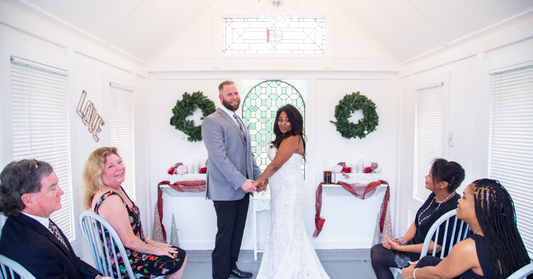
(288, 250)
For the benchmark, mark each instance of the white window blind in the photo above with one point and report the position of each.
(429, 133)
(40, 125)
(511, 143)
(121, 131)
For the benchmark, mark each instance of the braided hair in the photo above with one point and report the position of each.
(497, 218)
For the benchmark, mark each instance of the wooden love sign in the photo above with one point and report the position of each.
(90, 116)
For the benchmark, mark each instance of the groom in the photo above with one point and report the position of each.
(231, 169)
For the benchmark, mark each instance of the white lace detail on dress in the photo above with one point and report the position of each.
(288, 250)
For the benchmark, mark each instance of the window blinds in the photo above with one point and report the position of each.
(429, 133)
(511, 142)
(40, 125)
(121, 131)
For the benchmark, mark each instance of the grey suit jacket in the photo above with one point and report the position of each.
(230, 160)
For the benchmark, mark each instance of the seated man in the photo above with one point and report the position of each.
(31, 187)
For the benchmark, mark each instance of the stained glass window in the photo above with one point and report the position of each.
(259, 110)
(253, 35)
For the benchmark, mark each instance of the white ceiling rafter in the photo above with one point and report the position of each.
(204, 9)
(423, 19)
(123, 22)
(406, 31)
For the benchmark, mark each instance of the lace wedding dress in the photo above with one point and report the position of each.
(288, 250)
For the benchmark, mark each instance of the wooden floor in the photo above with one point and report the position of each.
(339, 264)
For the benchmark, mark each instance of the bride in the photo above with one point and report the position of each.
(288, 250)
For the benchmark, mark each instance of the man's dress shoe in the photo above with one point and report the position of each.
(240, 274)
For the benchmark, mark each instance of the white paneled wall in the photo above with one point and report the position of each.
(192, 61)
(325, 145)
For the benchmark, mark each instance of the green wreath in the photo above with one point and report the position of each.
(186, 107)
(345, 109)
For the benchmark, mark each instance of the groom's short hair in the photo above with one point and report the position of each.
(221, 86)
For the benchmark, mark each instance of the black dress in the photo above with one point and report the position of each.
(383, 258)
(428, 218)
(144, 265)
(482, 254)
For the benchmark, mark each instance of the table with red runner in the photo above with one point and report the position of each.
(195, 186)
(361, 192)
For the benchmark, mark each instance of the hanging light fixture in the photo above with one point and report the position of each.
(280, 12)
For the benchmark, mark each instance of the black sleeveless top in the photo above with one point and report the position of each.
(483, 257)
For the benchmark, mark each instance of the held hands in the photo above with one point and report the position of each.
(392, 243)
(248, 186)
(261, 186)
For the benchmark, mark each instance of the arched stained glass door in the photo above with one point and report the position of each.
(259, 109)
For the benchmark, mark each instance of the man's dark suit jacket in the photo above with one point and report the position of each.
(29, 243)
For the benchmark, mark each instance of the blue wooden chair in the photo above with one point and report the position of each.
(10, 268)
(102, 249)
(523, 272)
(459, 229)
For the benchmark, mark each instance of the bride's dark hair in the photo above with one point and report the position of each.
(297, 123)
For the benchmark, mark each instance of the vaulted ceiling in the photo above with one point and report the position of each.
(406, 30)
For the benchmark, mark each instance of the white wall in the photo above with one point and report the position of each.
(325, 146)
(354, 63)
(467, 74)
(91, 65)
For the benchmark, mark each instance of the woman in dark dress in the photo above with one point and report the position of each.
(103, 175)
(443, 179)
(494, 249)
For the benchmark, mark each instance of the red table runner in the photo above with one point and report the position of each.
(180, 186)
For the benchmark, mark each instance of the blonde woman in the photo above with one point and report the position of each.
(103, 175)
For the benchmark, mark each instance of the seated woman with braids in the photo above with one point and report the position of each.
(494, 249)
(443, 179)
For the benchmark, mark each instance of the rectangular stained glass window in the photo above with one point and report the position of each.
(253, 35)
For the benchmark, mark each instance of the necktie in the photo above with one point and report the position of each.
(55, 230)
(241, 125)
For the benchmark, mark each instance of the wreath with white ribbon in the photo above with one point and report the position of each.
(344, 110)
(186, 107)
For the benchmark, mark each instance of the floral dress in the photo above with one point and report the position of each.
(143, 265)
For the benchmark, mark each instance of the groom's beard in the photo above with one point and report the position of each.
(229, 106)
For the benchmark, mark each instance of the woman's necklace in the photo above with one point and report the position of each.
(476, 230)
(422, 213)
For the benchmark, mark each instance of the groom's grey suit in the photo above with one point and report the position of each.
(230, 160)
(230, 163)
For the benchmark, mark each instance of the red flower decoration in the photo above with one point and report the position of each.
(203, 170)
(367, 170)
(172, 170)
(347, 169)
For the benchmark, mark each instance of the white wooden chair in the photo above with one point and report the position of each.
(103, 250)
(10, 268)
(459, 229)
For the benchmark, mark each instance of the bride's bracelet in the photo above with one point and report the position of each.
(401, 241)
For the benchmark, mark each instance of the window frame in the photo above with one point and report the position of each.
(45, 70)
(114, 81)
(421, 84)
(517, 190)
